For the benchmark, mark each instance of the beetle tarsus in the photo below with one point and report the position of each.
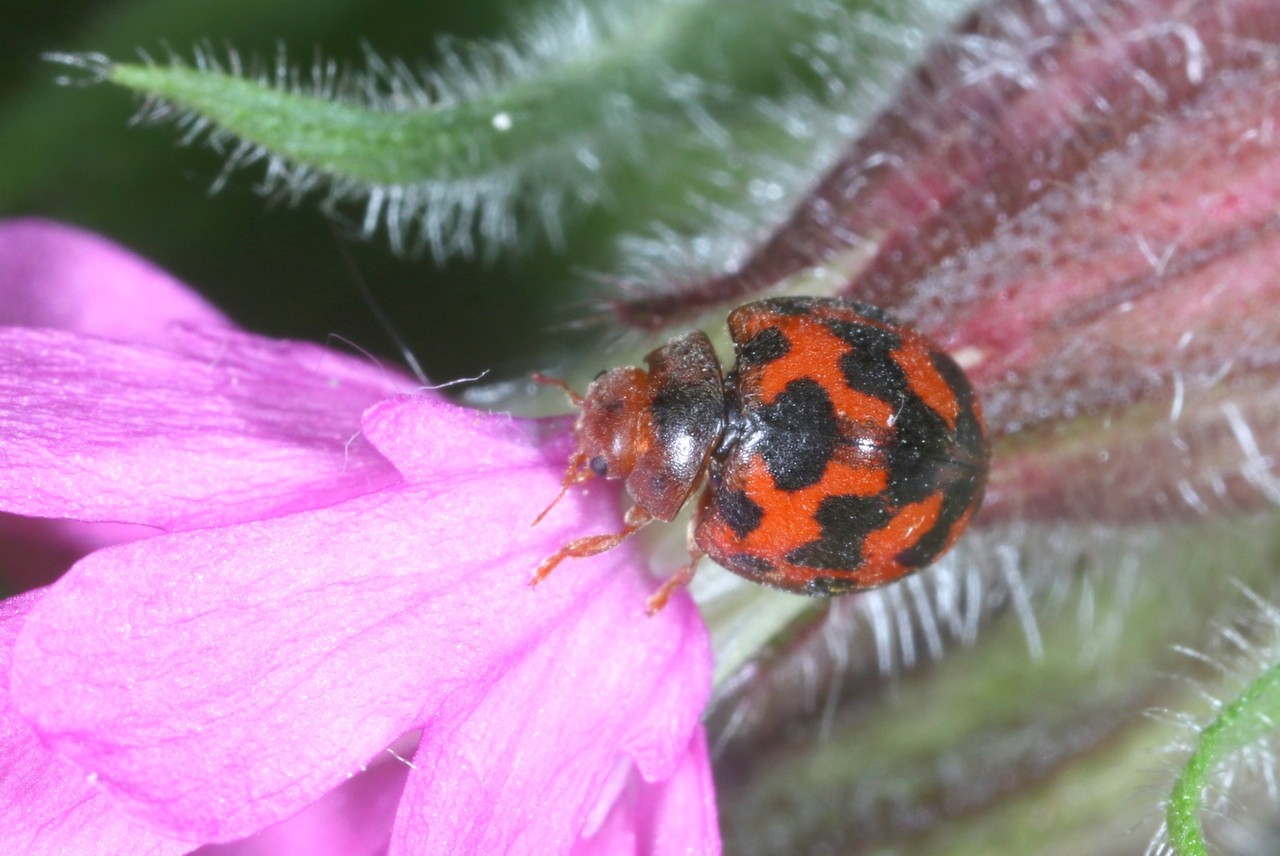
(637, 518)
(679, 579)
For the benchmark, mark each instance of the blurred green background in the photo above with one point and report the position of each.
(70, 153)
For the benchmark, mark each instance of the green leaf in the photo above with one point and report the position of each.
(557, 119)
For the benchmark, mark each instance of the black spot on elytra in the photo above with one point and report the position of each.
(875, 313)
(921, 449)
(801, 432)
(869, 367)
(790, 305)
(749, 566)
(921, 445)
(961, 490)
(928, 458)
(846, 522)
(763, 348)
(824, 305)
(925, 550)
(956, 499)
(969, 436)
(739, 511)
(955, 379)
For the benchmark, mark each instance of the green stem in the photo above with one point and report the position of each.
(1248, 718)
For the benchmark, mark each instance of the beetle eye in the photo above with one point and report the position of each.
(599, 466)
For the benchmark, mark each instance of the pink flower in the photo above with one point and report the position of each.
(319, 563)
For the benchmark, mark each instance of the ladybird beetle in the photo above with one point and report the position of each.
(843, 452)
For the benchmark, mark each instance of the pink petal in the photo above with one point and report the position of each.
(429, 440)
(657, 818)
(46, 805)
(226, 426)
(353, 819)
(520, 772)
(220, 680)
(54, 275)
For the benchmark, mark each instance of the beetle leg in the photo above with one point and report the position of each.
(684, 576)
(637, 518)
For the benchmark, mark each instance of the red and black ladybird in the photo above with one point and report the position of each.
(843, 452)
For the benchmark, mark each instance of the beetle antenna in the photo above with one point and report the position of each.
(539, 377)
